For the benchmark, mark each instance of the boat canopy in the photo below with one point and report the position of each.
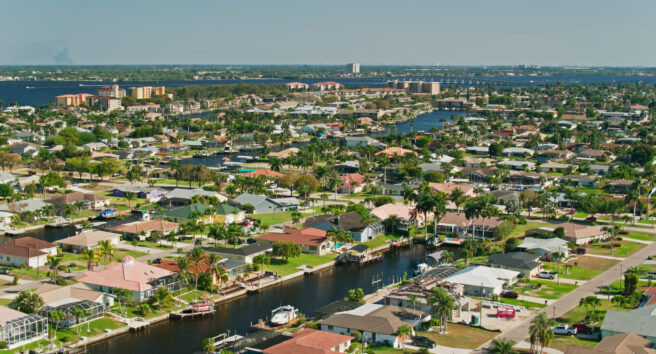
(436, 255)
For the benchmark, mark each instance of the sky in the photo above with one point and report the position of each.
(381, 32)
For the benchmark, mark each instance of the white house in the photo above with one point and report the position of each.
(483, 281)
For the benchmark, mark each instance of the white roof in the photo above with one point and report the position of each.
(480, 275)
(548, 244)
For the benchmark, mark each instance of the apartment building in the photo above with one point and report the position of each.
(147, 91)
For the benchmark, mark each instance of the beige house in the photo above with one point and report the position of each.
(88, 240)
(578, 234)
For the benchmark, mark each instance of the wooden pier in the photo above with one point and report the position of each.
(186, 313)
(264, 326)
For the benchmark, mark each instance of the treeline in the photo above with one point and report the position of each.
(198, 92)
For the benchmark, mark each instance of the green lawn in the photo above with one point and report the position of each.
(118, 254)
(27, 274)
(380, 241)
(644, 236)
(273, 218)
(478, 259)
(150, 244)
(519, 230)
(94, 327)
(615, 287)
(582, 267)
(626, 248)
(518, 302)
(547, 290)
(461, 336)
(563, 342)
(282, 268)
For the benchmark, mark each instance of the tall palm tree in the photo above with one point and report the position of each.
(196, 257)
(54, 263)
(503, 346)
(91, 256)
(540, 331)
(439, 209)
(442, 304)
(107, 249)
(183, 269)
(458, 198)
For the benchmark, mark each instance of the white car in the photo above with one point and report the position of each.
(547, 275)
(564, 330)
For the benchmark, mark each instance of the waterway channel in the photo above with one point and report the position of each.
(306, 293)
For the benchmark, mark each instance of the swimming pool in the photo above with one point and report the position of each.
(339, 245)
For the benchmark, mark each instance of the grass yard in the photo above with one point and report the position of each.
(118, 254)
(563, 342)
(615, 287)
(282, 268)
(626, 248)
(156, 245)
(518, 302)
(94, 327)
(644, 236)
(461, 336)
(582, 267)
(380, 241)
(478, 259)
(547, 290)
(519, 230)
(27, 274)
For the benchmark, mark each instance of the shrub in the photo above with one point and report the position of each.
(3, 345)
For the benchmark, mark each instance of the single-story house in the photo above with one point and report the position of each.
(29, 251)
(483, 281)
(141, 279)
(88, 240)
(351, 183)
(639, 321)
(262, 204)
(400, 211)
(181, 196)
(91, 201)
(22, 206)
(528, 264)
(244, 254)
(545, 246)
(458, 224)
(350, 221)
(311, 240)
(68, 298)
(17, 328)
(448, 188)
(625, 343)
(578, 234)
(153, 195)
(310, 340)
(378, 324)
(136, 228)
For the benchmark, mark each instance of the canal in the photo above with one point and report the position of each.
(306, 293)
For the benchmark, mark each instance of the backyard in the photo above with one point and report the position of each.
(544, 289)
(519, 230)
(461, 336)
(626, 248)
(582, 267)
(279, 266)
(380, 241)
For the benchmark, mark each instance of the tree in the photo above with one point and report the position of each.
(442, 304)
(54, 263)
(79, 313)
(540, 332)
(514, 207)
(162, 297)
(6, 191)
(27, 301)
(630, 283)
(196, 257)
(144, 309)
(129, 197)
(355, 295)
(51, 180)
(404, 331)
(262, 260)
(495, 149)
(286, 250)
(591, 304)
(123, 296)
(296, 216)
(79, 164)
(208, 345)
(511, 244)
(54, 317)
(91, 255)
(503, 346)
(106, 249)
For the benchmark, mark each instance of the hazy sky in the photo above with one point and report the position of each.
(455, 32)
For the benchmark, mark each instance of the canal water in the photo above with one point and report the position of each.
(306, 293)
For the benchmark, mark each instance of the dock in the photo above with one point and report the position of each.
(264, 326)
(223, 340)
(137, 324)
(453, 241)
(186, 313)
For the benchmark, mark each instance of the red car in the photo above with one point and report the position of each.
(583, 328)
(581, 250)
(591, 218)
(510, 295)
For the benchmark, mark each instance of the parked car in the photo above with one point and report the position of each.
(572, 212)
(547, 275)
(564, 330)
(421, 341)
(583, 328)
(581, 250)
(157, 261)
(509, 295)
(4, 271)
(591, 218)
(251, 241)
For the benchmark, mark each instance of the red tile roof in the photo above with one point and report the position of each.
(128, 274)
(309, 341)
(145, 226)
(309, 236)
(264, 172)
(25, 247)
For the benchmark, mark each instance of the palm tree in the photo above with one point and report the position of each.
(183, 269)
(413, 300)
(54, 317)
(53, 263)
(262, 260)
(208, 345)
(129, 197)
(442, 304)
(196, 256)
(503, 346)
(91, 256)
(27, 301)
(106, 248)
(540, 331)
(403, 331)
(458, 198)
(79, 313)
(439, 209)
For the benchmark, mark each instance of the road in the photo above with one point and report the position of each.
(589, 288)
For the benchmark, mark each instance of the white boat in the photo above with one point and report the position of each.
(422, 268)
(59, 222)
(283, 315)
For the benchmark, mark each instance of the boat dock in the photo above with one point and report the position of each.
(185, 313)
(264, 326)
(137, 324)
(453, 241)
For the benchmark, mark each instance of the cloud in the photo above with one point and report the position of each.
(62, 58)
(42, 52)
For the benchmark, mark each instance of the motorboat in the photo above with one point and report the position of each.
(202, 306)
(422, 268)
(59, 222)
(283, 315)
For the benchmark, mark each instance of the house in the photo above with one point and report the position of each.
(297, 86)
(517, 164)
(152, 195)
(554, 154)
(625, 343)
(18, 329)
(378, 324)
(244, 254)
(264, 172)
(639, 321)
(448, 188)
(310, 340)
(528, 264)
(311, 240)
(401, 211)
(220, 214)
(25, 149)
(260, 203)
(68, 298)
(143, 229)
(182, 196)
(483, 281)
(352, 183)
(22, 206)
(29, 251)
(94, 146)
(395, 151)
(88, 240)
(545, 247)
(232, 268)
(141, 279)
(327, 85)
(578, 234)
(517, 152)
(595, 155)
(90, 200)
(6, 219)
(353, 141)
(579, 180)
(459, 225)
(620, 186)
(350, 221)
